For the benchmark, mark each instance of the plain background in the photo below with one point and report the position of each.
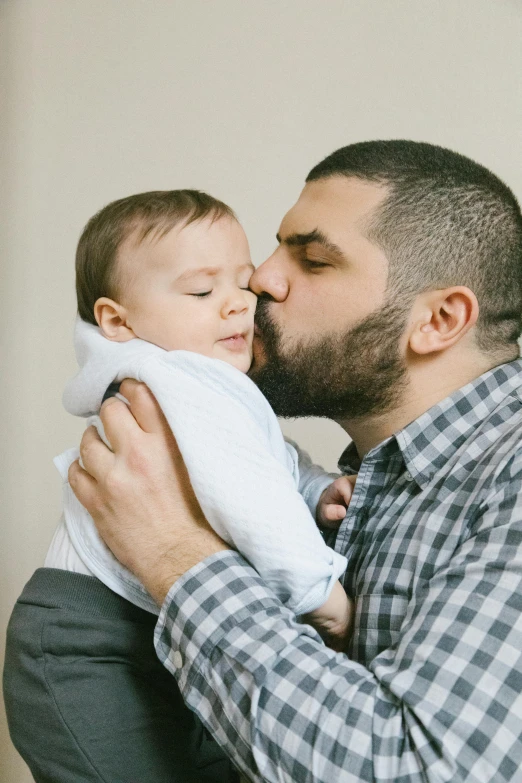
(104, 98)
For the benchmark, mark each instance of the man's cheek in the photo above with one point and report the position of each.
(258, 352)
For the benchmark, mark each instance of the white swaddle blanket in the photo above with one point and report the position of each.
(244, 474)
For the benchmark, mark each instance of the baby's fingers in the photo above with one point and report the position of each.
(333, 514)
(344, 487)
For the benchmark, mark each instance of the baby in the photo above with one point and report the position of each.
(172, 269)
(163, 297)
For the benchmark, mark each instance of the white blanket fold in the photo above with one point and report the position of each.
(245, 476)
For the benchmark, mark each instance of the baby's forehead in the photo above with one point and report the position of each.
(145, 244)
(190, 249)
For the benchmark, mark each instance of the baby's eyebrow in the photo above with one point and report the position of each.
(210, 271)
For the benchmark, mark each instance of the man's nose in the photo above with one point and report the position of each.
(269, 278)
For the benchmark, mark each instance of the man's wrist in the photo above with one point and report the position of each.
(160, 573)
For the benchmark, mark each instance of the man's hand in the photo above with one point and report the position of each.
(139, 494)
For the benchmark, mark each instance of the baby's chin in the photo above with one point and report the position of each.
(241, 363)
(237, 353)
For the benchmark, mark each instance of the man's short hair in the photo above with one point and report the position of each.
(151, 214)
(446, 221)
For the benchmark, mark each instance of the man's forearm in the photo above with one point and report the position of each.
(284, 706)
(231, 644)
(159, 575)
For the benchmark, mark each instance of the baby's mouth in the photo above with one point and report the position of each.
(236, 342)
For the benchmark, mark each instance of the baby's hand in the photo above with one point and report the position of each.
(334, 501)
(333, 620)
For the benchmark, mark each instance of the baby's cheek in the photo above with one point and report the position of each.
(243, 363)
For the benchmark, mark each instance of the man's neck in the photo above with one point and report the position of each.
(429, 382)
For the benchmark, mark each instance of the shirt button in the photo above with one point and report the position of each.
(408, 476)
(177, 660)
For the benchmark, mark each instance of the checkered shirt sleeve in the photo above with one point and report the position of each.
(444, 705)
(440, 698)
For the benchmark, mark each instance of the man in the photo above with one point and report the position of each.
(392, 305)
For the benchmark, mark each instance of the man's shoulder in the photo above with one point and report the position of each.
(495, 461)
(486, 469)
(499, 438)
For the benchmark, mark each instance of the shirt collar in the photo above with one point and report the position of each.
(428, 442)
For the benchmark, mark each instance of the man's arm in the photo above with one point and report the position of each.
(444, 705)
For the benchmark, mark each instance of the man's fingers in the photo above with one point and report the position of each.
(118, 422)
(97, 459)
(82, 484)
(144, 407)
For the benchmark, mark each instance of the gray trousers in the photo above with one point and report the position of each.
(86, 697)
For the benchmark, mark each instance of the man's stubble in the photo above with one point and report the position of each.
(351, 375)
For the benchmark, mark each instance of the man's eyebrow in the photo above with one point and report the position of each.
(210, 271)
(301, 240)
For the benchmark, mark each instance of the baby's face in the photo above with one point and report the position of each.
(189, 290)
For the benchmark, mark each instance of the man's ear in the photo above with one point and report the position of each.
(112, 320)
(441, 318)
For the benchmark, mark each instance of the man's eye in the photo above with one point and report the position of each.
(202, 295)
(311, 264)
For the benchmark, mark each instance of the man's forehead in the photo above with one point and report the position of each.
(333, 203)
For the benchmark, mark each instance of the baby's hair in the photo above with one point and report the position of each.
(144, 214)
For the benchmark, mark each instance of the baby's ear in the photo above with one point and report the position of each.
(111, 317)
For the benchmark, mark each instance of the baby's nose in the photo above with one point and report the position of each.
(237, 302)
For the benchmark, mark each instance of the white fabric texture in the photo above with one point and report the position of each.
(62, 554)
(247, 479)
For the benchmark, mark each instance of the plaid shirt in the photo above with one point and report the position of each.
(432, 688)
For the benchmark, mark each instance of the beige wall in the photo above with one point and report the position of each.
(101, 98)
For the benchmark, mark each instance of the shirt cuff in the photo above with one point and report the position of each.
(203, 606)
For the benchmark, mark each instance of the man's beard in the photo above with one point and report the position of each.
(340, 376)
